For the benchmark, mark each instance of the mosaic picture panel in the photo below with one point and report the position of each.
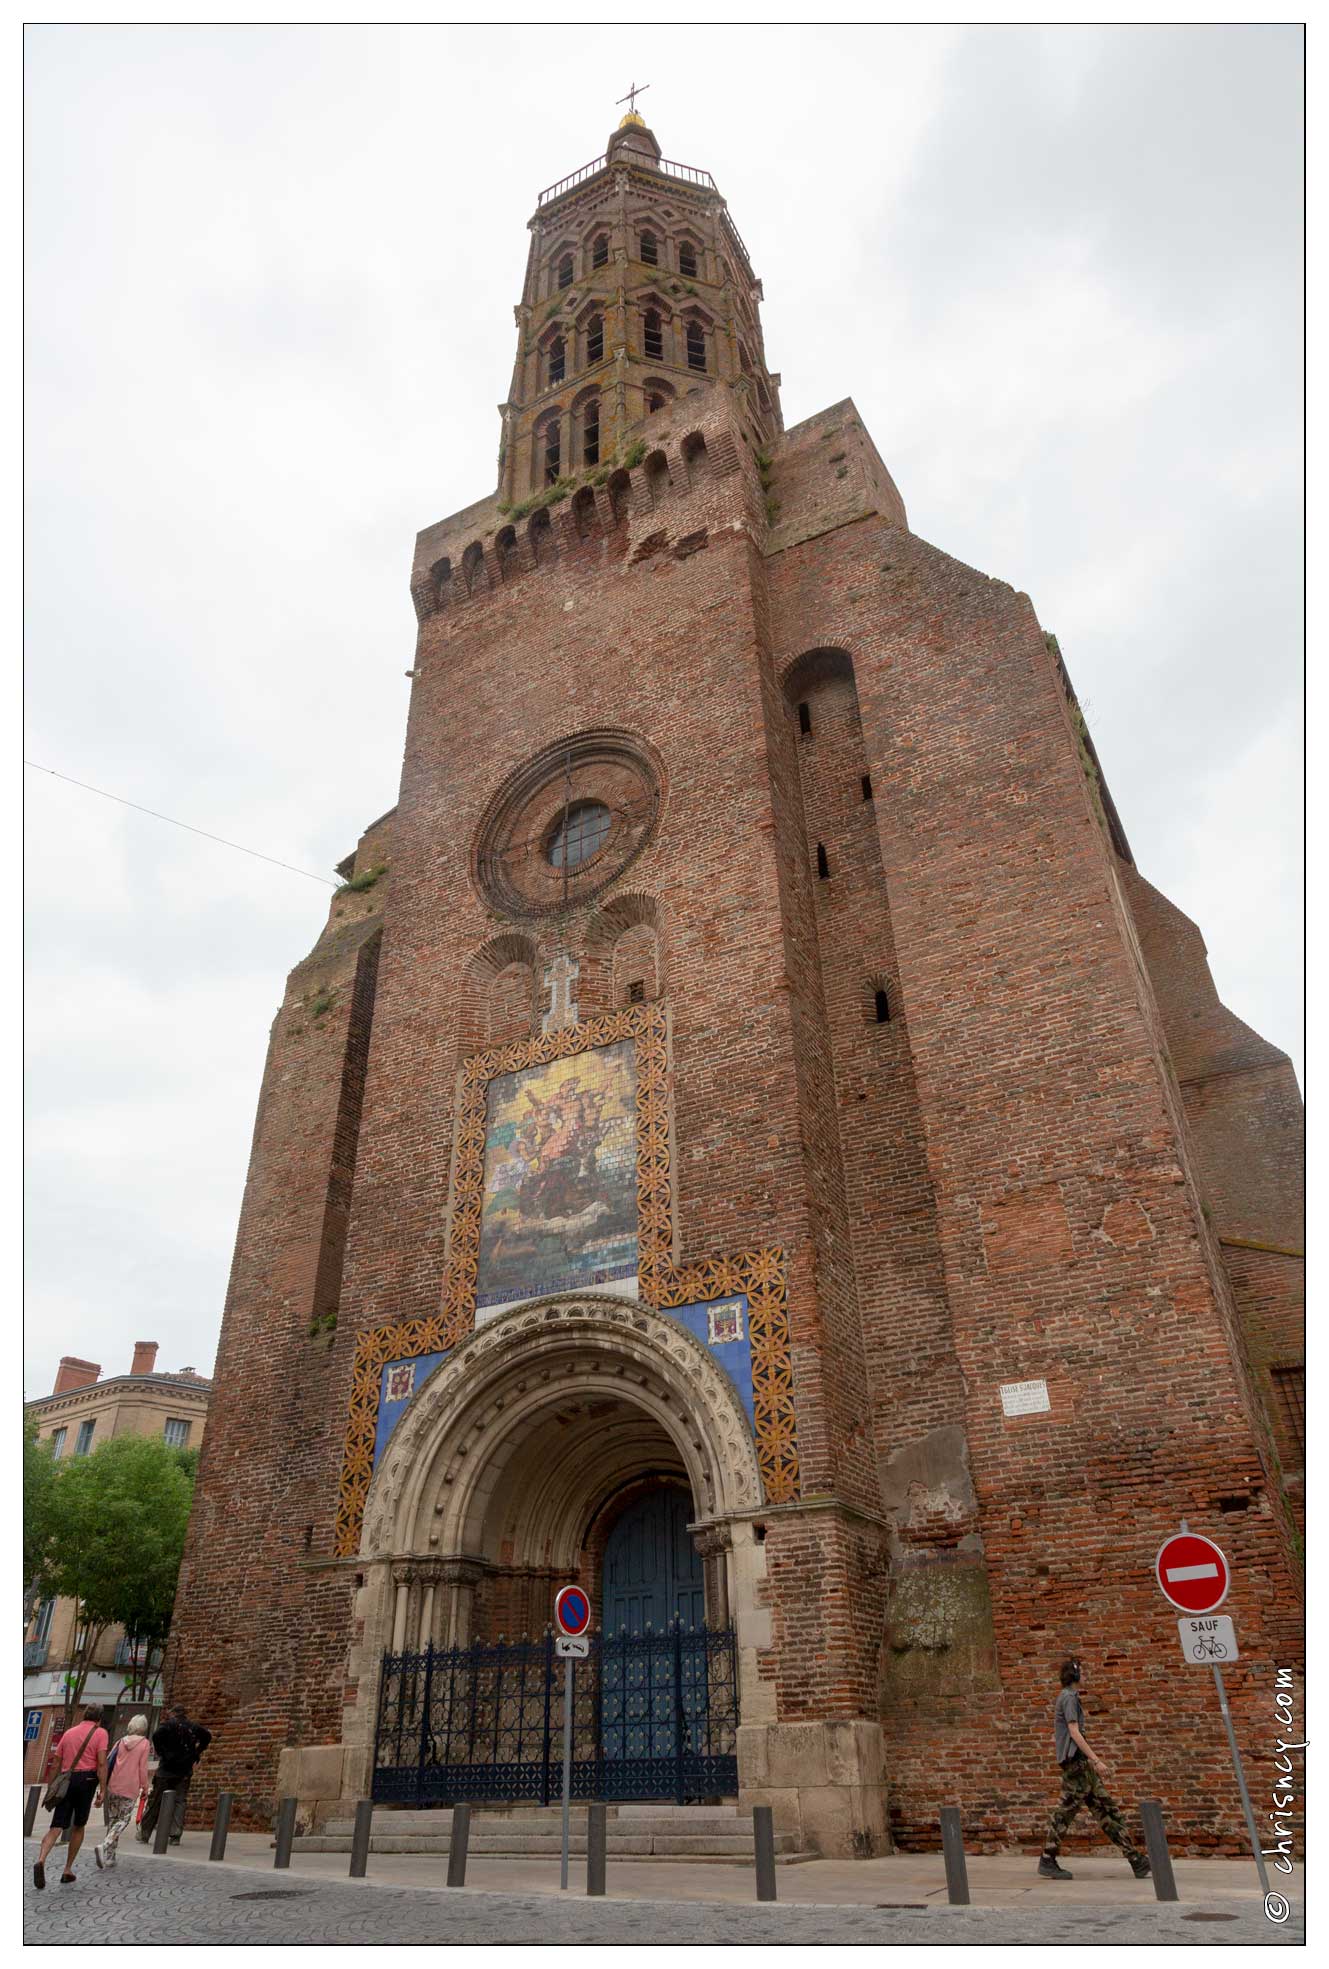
(560, 1177)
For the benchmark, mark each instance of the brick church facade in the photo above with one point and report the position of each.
(747, 1077)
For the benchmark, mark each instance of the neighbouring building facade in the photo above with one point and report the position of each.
(750, 1141)
(82, 1412)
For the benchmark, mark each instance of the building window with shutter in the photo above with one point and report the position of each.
(84, 1441)
(176, 1431)
(58, 1441)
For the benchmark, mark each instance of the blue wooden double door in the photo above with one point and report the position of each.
(652, 1570)
(652, 1705)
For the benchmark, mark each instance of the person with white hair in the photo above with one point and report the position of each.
(126, 1784)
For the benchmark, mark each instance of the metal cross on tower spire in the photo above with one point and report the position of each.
(631, 97)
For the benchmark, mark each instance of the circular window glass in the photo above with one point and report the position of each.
(580, 832)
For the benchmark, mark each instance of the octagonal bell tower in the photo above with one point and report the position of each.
(638, 291)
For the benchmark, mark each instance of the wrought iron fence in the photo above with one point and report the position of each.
(654, 1715)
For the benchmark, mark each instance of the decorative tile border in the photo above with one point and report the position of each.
(662, 1284)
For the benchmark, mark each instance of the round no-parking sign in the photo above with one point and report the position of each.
(1193, 1572)
(572, 1610)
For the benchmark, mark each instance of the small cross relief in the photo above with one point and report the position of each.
(560, 981)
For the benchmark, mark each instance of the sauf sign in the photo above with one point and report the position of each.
(1193, 1573)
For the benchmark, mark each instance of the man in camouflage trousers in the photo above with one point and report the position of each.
(1081, 1769)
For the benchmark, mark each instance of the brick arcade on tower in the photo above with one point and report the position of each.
(748, 1138)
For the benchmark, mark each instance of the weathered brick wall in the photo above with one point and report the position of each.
(247, 1610)
(1069, 1219)
(1246, 1126)
(996, 1185)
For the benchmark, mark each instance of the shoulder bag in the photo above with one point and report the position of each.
(59, 1784)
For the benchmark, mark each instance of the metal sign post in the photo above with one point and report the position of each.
(1241, 1778)
(567, 1766)
(1194, 1574)
(572, 1611)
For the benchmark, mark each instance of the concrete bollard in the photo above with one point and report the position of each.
(763, 1840)
(1155, 1840)
(30, 1809)
(364, 1820)
(458, 1843)
(221, 1825)
(597, 1846)
(285, 1832)
(952, 1846)
(165, 1820)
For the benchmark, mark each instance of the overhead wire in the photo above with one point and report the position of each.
(173, 822)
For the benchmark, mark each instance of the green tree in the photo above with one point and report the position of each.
(39, 1478)
(117, 1532)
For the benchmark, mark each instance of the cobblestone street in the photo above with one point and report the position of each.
(173, 1899)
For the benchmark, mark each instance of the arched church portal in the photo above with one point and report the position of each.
(583, 1438)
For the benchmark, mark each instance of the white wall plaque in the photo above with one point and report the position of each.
(1024, 1398)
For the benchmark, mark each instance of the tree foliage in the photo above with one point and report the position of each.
(114, 1536)
(39, 1476)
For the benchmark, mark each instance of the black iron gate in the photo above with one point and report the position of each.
(653, 1716)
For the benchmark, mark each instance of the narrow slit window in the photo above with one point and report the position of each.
(654, 403)
(804, 720)
(650, 251)
(553, 453)
(595, 339)
(1290, 1387)
(823, 865)
(600, 250)
(696, 346)
(637, 991)
(687, 259)
(565, 271)
(653, 341)
(590, 449)
(558, 356)
(881, 1005)
(866, 784)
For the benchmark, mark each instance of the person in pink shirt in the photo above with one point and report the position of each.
(82, 1752)
(128, 1766)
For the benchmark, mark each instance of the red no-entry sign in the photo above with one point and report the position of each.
(1193, 1572)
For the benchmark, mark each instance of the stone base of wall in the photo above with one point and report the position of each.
(824, 1781)
(318, 1777)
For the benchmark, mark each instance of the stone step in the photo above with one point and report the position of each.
(644, 1818)
(678, 1847)
(643, 1831)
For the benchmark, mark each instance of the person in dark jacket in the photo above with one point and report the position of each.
(179, 1744)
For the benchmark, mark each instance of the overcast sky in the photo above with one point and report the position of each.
(270, 280)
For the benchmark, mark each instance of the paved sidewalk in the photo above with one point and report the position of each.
(181, 1897)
